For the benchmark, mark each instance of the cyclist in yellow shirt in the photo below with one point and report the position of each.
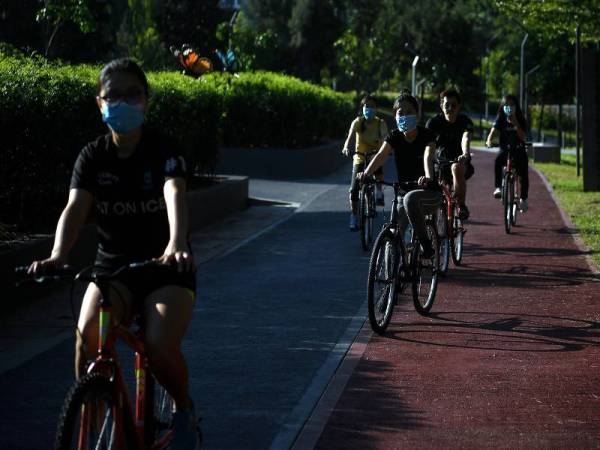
(369, 132)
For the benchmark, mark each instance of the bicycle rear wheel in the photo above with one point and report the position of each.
(367, 208)
(457, 239)
(88, 418)
(381, 283)
(444, 238)
(509, 199)
(425, 274)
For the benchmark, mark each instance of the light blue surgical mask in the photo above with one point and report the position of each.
(122, 117)
(406, 123)
(369, 113)
(507, 110)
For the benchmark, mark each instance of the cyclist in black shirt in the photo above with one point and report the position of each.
(511, 126)
(135, 178)
(453, 141)
(414, 152)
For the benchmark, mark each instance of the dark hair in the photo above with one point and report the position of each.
(450, 93)
(518, 113)
(405, 96)
(126, 65)
(363, 102)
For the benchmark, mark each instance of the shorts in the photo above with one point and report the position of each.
(447, 173)
(144, 281)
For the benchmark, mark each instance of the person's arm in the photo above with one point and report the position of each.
(428, 158)
(68, 228)
(490, 139)
(379, 159)
(465, 145)
(177, 249)
(346, 148)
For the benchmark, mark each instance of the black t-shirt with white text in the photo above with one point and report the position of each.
(409, 155)
(449, 135)
(128, 195)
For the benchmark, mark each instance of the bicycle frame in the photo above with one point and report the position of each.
(107, 363)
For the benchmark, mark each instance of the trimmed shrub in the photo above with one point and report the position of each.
(48, 113)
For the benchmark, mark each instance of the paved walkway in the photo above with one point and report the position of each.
(509, 357)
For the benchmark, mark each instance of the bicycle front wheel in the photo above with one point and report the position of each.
(457, 239)
(381, 284)
(159, 414)
(425, 274)
(88, 418)
(366, 217)
(509, 199)
(444, 238)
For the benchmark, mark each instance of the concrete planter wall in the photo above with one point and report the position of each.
(271, 163)
(205, 206)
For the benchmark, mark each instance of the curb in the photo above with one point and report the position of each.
(273, 163)
(205, 206)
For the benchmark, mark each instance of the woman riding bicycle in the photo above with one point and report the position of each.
(369, 131)
(510, 124)
(135, 177)
(414, 152)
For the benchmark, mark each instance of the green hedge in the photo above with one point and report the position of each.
(48, 112)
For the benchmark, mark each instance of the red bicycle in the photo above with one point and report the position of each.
(97, 412)
(511, 193)
(450, 227)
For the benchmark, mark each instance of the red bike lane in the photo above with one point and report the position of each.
(509, 357)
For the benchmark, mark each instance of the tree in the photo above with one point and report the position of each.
(552, 18)
(58, 12)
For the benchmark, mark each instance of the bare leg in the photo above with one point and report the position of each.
(168, 314)
(460, 185)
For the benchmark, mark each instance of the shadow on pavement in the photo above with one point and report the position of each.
(501, 332)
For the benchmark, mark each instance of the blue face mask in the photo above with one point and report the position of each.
(507, 109)
(122, 117)
(369, 113)
(406, 123)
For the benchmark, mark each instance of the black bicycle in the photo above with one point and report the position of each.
(396, 262)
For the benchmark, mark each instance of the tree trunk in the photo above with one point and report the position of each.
(559, 124)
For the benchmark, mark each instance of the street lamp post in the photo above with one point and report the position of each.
(526, 100)
(414, 74)
(522, 68)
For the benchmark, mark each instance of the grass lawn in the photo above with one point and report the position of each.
(582, 207)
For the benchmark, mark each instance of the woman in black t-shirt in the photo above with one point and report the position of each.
(414, 151)
(136, 180)
(510, 124)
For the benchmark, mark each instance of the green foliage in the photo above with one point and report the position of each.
(551, 18)
(52, 111)
(58, 11)
(139, 38)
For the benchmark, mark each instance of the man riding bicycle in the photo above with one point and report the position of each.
(414, 148)
(454, 131)
(135, 178)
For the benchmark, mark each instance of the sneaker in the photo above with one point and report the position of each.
(523, 205)
(353, 222)
(497, 193)
(186, 433)
(427, 249)
(379, 198)
(463, 212)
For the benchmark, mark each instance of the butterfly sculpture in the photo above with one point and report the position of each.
(228, 60)
(193, 64)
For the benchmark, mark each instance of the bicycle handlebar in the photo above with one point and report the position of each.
(67, 273)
